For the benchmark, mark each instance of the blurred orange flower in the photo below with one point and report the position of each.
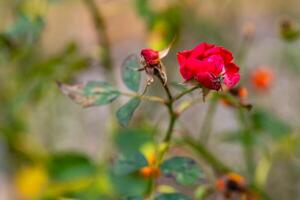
(262, 78)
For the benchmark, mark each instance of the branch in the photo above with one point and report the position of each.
(102, 35)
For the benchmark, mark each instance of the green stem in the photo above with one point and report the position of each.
(170, 128)
(186, 92)
(102, 35)
(207, 122)
(172, 113)
(148, 98)
(247, 144)
(206, 155)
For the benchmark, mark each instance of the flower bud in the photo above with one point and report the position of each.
(150, 56)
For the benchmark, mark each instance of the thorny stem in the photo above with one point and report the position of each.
(102, 35)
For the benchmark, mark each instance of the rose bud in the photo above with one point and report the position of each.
(150, 56)
(262, 78)
(151, 61)
(210, 65)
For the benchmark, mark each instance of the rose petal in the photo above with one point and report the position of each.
(200, 49)
(208, 81)
(183, 56)
(226, 55)
(232, 76)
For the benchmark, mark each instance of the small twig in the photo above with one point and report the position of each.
(148, 98)
(182, 109)
(102, 35)
(206, 155)
(186, 92)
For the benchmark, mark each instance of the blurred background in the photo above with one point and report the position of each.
(42, 41)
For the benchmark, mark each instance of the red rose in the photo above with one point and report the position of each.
(150, 56)
(210, 65)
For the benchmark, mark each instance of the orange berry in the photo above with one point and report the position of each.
(149, 171)
(146, 172)
(262, 78)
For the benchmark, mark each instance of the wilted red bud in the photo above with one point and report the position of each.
(262, 78)
(150, 56)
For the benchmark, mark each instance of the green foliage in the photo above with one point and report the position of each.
(184, 169)
(267, 122)
(172, 196)
(130, 74)
(94, 93)
(125, 113)
(165, 22)
(70, 167)
(128, 185)
(134, 198)
(129, 163)
(25, 29)
(130, 140)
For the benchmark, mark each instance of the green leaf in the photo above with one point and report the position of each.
(134, 198)
(26, 29)
(94, 93)
(70, 167)
(201, 192)
(128, 185)
(129, 163)
(130, 140)
(184, 169)
(267, 122)
(130, 74)
(125, 113)
(172, 196)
